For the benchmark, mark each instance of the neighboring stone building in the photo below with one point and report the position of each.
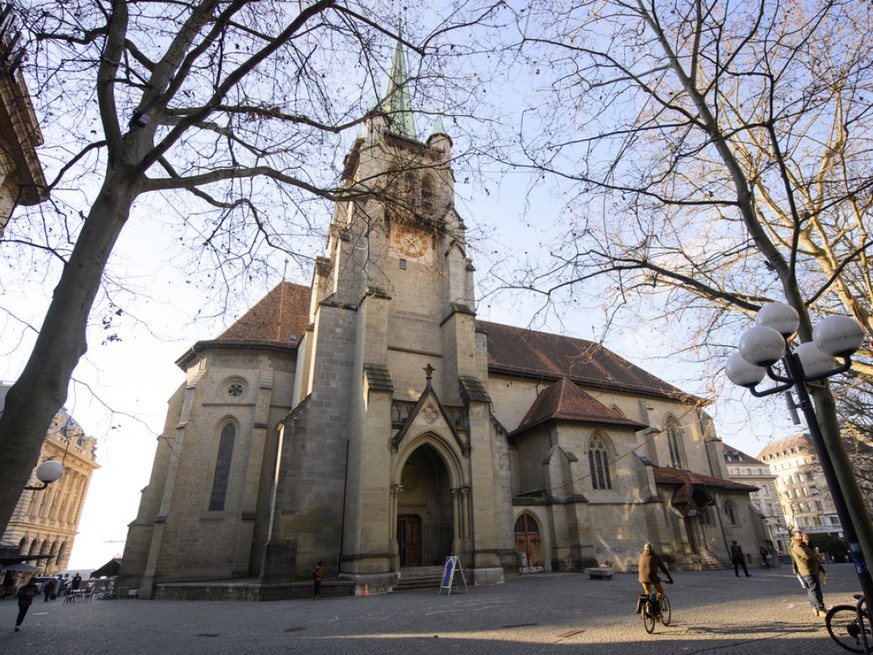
(45, 522)
(21, 178)
(800, 482)
(372, 422)
(748, 470)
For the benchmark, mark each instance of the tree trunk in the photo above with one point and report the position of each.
(41, 389)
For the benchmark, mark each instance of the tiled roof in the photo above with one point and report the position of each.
(278, 320)
(565, 401)
(284, 313)
(280, 315)
(801, 441)
(540, 355)
(670, 476)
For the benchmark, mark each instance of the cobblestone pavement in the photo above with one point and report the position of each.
(557, 614)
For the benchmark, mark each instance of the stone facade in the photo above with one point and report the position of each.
(377, 425)
(800, 483)
(744, 468)
(45, 522)
(21, 178)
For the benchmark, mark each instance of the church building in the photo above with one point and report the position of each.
(372, 422)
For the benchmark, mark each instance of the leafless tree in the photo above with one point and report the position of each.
(233, 111)
(717, 156)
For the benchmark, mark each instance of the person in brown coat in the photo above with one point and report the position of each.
(317, 578)
(808, 568)
(649, 565)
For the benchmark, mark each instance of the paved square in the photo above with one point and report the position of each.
(560, 614)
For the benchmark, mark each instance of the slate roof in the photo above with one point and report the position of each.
(565, 401)
(732, 455)
(669, 476)
(543, 356)
(278, 320)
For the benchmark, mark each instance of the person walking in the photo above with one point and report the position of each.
(765, 557)
(49, 589)
(808, 568)
(317, 578)
(25, 598)
(649, 565)
(738, 559)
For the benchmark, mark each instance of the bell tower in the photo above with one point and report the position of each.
(396, 284)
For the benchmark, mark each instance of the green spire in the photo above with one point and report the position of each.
(397, 104)
(438, 127)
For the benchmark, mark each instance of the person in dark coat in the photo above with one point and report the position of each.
(49, 589)
(738, 559)
(25, 598)
(77, 580)
(765, 557)
(317, 578)
(649, 565)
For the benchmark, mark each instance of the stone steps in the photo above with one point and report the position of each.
(420, 577)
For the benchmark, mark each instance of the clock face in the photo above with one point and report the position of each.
(411, 242)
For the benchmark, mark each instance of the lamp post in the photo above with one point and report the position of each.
(761, 347)
(47, 472)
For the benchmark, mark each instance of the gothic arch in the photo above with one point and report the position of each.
(438, 443)
(426, 502)
(601, 458)
(227, 432)
(528, 540)
(428, 194)
(675, 443)
(733, 514)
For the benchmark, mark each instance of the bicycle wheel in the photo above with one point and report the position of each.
(648, 617)
(666, 615)
(845, 626)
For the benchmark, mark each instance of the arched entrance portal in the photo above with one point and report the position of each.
(528, 542)
(424, 510)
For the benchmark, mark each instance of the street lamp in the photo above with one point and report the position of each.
(761, 347)
(47, 472)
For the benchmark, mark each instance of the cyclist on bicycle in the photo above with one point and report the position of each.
(650, 563)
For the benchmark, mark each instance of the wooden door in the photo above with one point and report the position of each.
(528, 540)
(409, 539)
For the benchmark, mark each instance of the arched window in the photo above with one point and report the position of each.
(222, 468)
(598, 463)
(730, 508)
(427, 199)
(674, 443)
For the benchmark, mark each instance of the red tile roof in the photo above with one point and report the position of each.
(281, 314)
(565, 401)
(543, 356)
(513, 351)
(277, 321)
(670, 476)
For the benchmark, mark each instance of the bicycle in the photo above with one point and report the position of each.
(848, 626)
(653, 610)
